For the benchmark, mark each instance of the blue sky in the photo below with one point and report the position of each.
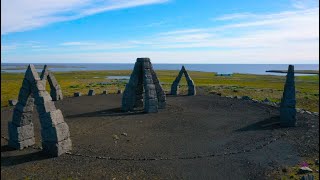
(167, 31)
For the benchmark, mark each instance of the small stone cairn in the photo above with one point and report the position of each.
(307, 177)
(143, 89)
(175, 84)
(288, 101)
(91, 92)
(12, 102)
(56, 92)
(54, 131)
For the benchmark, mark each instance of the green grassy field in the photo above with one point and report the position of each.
(255, 86)
(286, 173)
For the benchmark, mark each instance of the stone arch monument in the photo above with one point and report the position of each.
(55, 89)
(143, 89)
(54, 131)
(175, 84)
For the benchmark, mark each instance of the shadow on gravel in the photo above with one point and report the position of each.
(20, 159)
(6, 148)
(266, 124)
(170, 95)
(108, 112)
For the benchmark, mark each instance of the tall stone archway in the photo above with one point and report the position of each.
(143, 89)
(55, 89)
(175, 84)
(54, 131)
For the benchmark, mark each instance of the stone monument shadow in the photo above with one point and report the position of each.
(170, 95)
(20, 159)
(108, 112)
(266, 124)
(6, 148)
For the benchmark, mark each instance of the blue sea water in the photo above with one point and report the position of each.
(219, 68)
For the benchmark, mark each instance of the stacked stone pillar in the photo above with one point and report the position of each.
(143, 89)
(190, 83)
(288, 101)
(91, 92)
(150, 96)
(55, 92)
(161, 95)
(54, 131)
(130, 95)
(175, 84)
(21, 131)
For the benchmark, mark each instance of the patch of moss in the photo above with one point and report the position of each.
(293, 172)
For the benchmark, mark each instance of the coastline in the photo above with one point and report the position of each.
(218, 68)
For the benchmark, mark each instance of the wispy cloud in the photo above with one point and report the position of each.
(283, 37)
(16, 46)
(21, 15)
(76, 43)
(94, 46)
(6, 48)
(304, 4)
(257, 30)
(245, 16)
(154, 24)
(182, 31)
(234, 16)
(261, 56)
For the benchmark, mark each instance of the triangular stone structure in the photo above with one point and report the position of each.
(288, 101)
(143, 89)
(55, 92)
(175, 84)
(54, 131)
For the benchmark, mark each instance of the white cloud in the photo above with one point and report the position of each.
(154, 24)
(246, 56)
(183, 31)
(259, 31)
(76, 44)
(5, 48)
(271, 17)
(89, 46)
(30, 45)
(284, 37)
(234, 16)
(304, 4)
(21, 15)
(184, 38)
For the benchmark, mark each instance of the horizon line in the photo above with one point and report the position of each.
(134, 62)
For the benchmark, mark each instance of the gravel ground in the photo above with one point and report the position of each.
(195, 137)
